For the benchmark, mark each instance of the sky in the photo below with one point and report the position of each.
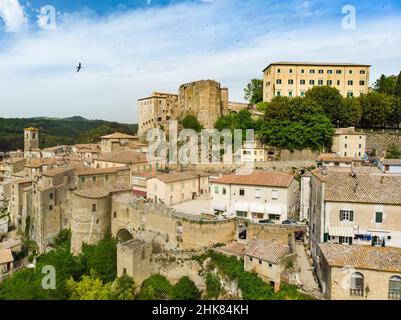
(129, 48)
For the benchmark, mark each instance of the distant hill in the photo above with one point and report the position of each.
(54, 131)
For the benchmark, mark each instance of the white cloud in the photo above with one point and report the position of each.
(126, 56)
(12, 14)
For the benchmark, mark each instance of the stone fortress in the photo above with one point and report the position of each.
(207, 100)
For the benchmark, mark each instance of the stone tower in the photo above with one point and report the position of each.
(31, 142)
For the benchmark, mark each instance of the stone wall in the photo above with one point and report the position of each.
(381, 141)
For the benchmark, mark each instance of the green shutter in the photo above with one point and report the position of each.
(325, 237)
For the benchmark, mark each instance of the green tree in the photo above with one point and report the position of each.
(191, 122)
(351, 112)
(397, 88)
(185, 289)
(213, 286)
(90, 287)
(123, 288)
(102, 258)
(377, 109)
(385, 84)
(329, 100)
(156, 287)
(241, 120)
(393, 152)
(22, 285)
(254, 91)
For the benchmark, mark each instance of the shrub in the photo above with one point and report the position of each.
(213, 286)
(185, 289)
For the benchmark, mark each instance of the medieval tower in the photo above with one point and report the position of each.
(31, 142)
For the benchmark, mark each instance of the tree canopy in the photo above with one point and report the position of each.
(191, 122)
(254, 91)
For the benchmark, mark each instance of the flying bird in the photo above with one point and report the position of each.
(79, 67)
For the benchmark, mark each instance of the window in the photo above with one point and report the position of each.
(338, 82)
(270, 265)
(290, 71)
(394, 288)
(258, 193)
(224, 191)
(320, 82)
(345, 154)
(312, 82)
(242, 214)
(94, 207)
(361, 82)
(290, 81)
(278, 81)
(278, 93)
(250, 258)
(350, 82)
(106, 177)
(82, 179)
(379, 217)
(260, 261)
(94, 179)
(241, 192)
(350, 94)
(312, 71)
(356, 284)
(345, 146)
(329, 82)
(274, 194)
(216, 190)
(274, 216)
(329, 71)
(362, 72)
(350, 71)
(321, 71)
(338, 71)
(50, 208)
(346, 215)
(278, 70)
(115, 214)
(51, 195)
(302, 93)
(302, 82)
(290, 94)
(302, 71)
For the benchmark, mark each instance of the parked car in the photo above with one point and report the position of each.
(267, 221)
(289, 221)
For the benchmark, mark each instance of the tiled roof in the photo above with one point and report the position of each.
(362, 187)
(233, 248)
(124, 156)
(323, 64)
(55, 171)
(118, 135)
(270, 179)
(6, 256)
(177, 176)
(36, 163)
(84, 170)
(95, 193)
(362, 257)
(332, 157)
(392, 162)
(266, 250)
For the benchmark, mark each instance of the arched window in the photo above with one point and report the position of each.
(394, 288)
(356, 284)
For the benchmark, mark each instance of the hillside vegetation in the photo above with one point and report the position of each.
(54, 131)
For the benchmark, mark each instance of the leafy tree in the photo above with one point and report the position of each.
(330, 101)
(21, 285)
(185, 289)
(393, 152)
(123, 288)
(397, 88)
(254, 91)
(90, 287)
(385, 84)
(377, 109)
(241, 120)
(213, 286)
(191, 122)
(102, 258)
(351, 112)
(156, 287)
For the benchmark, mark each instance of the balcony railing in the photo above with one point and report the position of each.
(394, 294)
(356, 292)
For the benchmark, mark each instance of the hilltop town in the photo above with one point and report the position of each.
(317, 217)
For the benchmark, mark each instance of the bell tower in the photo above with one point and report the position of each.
(31, 141)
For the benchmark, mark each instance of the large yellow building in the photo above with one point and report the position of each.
(293, 79)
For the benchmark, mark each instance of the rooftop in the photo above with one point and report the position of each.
(362, 257)
(6, 256)
(118, 135)
(234, 249)
(322, 64)
(124, 156)
(56, 171)
(343, 186)
(177, 176)
(269, 179)
(37, 163)
(333, 157)
(392, 162)
(85, 170)
(95, 193)
(266, 250)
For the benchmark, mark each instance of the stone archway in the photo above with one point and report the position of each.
(123, 235)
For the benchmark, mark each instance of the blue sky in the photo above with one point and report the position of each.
(130, 48)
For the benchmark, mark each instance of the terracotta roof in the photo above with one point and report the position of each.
(271, 179)
(6, 256)
(362, 188)
(84, 170)
(266, 250)
(55, 148)
(95, 193)
(233, 248)
(89, 147)
(119, 135)
(362, 257)
(323, 64)
(36, 163)
(125, 156)
(177, 176)
(9, 244)
(55, 171)
(332, 157)
(392, 162)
